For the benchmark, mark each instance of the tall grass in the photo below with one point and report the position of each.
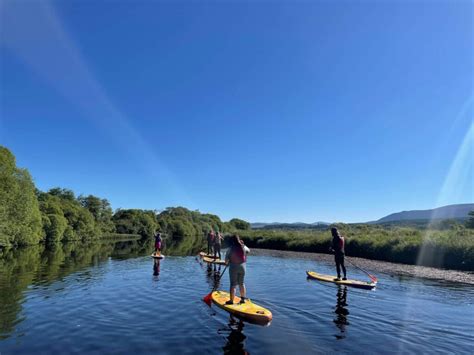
(451, 249)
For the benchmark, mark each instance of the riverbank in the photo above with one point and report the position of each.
(377, 266)
(451, 248)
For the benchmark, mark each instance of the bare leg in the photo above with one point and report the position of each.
(343, 268)
(243, 291)
(232, 293)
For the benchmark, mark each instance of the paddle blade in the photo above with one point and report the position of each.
(208, 299)
(373, 278)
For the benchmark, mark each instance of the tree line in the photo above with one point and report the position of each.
(29, 216)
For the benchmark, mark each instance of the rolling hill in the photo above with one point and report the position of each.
(459, 211)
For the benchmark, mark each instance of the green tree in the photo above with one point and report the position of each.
(64, 194)
(135, 221)
(100, 210)
(179, 223)
(65, 218)
(239, 224)
(54, 225)
(20, 218)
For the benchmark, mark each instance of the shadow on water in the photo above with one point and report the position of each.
(235, 337)
(341, 311)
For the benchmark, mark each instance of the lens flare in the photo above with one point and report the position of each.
(33, 32)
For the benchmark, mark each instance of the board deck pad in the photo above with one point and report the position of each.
(331, 278)
(248, 311)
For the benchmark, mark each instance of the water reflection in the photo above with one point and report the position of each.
(236, 338)
(156, 268)
(40, 265)
(341, 312)
(213, 275)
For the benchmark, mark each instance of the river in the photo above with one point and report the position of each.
(113, 298)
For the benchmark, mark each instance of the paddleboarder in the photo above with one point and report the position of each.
(338, 248)
(217, 245)
(158, 243)
(236, 258)
(210, 241)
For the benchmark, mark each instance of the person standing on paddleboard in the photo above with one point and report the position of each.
(158, 243)
(338, 249)
(236, 258)
(210, 241)
(217, 245)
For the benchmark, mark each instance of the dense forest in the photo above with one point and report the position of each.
(29, 216)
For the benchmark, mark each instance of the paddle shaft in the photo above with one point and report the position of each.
(219, 279)
(371, 276)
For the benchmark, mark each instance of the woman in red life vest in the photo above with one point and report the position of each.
(158, 243)
(338, 249)
(236, 257)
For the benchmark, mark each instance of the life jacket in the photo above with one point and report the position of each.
(237, 255)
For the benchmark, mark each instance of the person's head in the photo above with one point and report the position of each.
(234, 241)
(334, 232)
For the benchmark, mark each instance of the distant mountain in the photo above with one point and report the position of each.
(459, 211)
(416, 217)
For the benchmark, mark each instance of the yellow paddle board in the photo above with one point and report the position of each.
(248, 311)
(330, 278)
(213, 261)
(203, 254)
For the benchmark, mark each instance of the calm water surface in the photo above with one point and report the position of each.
(113, 298)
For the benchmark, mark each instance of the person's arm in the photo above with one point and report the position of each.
(331, 248)
(227, 256)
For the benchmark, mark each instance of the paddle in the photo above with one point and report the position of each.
(208, 298)
(372, 277)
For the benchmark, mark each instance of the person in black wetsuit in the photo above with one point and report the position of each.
(338, 249)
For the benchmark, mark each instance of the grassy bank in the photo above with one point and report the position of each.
(451, 249)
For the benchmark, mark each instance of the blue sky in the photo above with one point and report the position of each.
(267, 111)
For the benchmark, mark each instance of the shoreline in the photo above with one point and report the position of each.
(375, 266)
